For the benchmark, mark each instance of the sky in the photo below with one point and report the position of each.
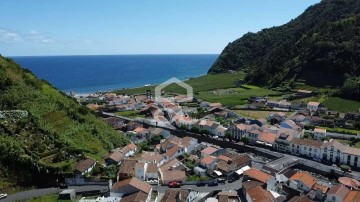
(113, 27)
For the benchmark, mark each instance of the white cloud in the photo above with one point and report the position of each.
(38, 37)
(9, 36)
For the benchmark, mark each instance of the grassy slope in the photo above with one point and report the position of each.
(342, 105)
(203, 83)
(57, 130)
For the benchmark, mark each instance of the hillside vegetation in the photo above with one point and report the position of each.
(56, 132)
(321, 46)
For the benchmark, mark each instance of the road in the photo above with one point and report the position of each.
(46, 191)
(226, 186)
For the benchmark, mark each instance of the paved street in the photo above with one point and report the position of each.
(41, 192)
(227, 186)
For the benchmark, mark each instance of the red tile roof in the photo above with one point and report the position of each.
(134, 182)
(209, 150)
(259, 194)
(83, 165)
(305, 178)
(257, 175)
(339, 190)
(207, 160)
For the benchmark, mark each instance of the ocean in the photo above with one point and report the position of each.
(86, 74)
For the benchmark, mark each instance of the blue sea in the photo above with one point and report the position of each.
(86, 74)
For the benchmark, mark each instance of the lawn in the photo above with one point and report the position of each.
(257, 114)
(203, 83)
(130, 114)
(342, 105)
(48, 198)
(240, 96)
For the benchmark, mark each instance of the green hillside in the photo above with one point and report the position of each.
(56, 132)
(320, 47)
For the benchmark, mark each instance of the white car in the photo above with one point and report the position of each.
(2, 196)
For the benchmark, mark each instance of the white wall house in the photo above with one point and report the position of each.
(306, 147)
(313, 106)
(319, 133)
(339, 153)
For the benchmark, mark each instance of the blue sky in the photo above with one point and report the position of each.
(89, 27)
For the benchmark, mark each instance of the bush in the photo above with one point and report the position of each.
(345, 167)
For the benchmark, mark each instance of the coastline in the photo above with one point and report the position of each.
(119, 89)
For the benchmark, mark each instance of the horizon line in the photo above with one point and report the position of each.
(112, 54)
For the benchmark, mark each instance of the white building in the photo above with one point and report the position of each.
(319, 133)
(313, 106)
(339, 153)
(306, 147)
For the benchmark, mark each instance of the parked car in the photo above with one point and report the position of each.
(2, 196)
(213, 183)
(63, 186)
(221, 180)
(200, 184)
(174, 184)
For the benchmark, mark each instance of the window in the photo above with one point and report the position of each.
(333, 198)
(315, 150)
(310, 149)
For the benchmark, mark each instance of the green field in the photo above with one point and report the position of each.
(256, 114)
(130, 114)
(240, 96)
(48, 198)
(203, 83)
(342, 105)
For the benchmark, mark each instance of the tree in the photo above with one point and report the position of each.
(228, 135)
(245, 140)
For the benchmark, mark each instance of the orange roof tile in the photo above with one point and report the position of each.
(207, 160)
(257, 175)
(305, 178)
(353, 196)
(267, 137)
(170, 152)
(260, 194)
(209, 150)
(320, 187)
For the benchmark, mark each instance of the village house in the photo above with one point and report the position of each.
(319, 133)
(338, 153)
(212, 151)
(114, 158)
(146, 171)
(349, 183)
(183, 195)
(84, 166)
(290, 125)
(276, 117)
(313, 106)
(174, 152)
(284, 175)
(306, 147)
(131, 189)
(159, 132)
(279, 104)
(254, 174)
(226, 196)
(188, 143)
(230, 162)
(284, 136)
(337, 193)
(152, 157)
(129, 149)
(208, 162)
(267, 139)
(115, 122)
(257, 193)
(127, 169)
(302, 181)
